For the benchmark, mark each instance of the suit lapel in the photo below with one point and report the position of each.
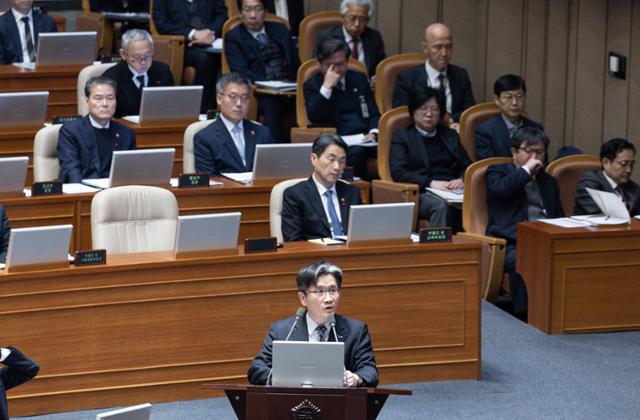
(344, 204)
(418, 146)
(91, 143)
(131, 91)
(605, 183)
(300, 332)
(249, 143)
(228, 142)
(316, 203)
(14, 33)
(341, 329)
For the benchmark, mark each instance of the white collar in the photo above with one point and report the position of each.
(312, 325)
(613, 183)
(425, 133)
(347, 37)
(433, 73)
(96, 124)
(230, 125)
(509, 124)
(17, 15)
(135, 73)
(321, 188)
(255, 33)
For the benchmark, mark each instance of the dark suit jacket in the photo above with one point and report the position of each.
(10, 44)
(128, 95)
(343, 109)
(215, 152)
(171, 17)
(409, 160)
(507, 198)
(358, 350)
(131, 6)
(492, 137)
(371, 41)
(596, 180)
(17, 370)
(303, 215)
(411, 79)
(78, 149)
(243, 55)
(296, 13)
(5, 230)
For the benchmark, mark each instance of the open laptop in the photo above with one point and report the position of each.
(136, 412)
(168, 103)
(39, 245)
(308, 363)
(137, 167)
(13, 171)
(66, 48)
(23, 109)
(282, 161)
(374, 222)
(207, 232)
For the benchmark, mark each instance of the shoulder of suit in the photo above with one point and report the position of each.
(456, 69)
(121, 127)
(450, 134)
(275, 26)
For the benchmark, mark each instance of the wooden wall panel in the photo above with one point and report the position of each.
(633, 75)
(413, 29)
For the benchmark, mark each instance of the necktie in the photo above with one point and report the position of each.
(140, 80)
(29, 39)
(341, 85)
(321, 330)
(623, 196)
(262, 39)
(441, 89)
(336, 227)
(354, 49)
(238, 139)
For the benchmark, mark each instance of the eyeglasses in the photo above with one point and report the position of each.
(249, 9)
(359, 19)
(141, 58)
(530, 151)
(625, 163)
(519, 97)
(99, 99)
(234, 98)
(320, 293)
(428, 109)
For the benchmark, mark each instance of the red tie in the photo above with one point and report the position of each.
(354, 51)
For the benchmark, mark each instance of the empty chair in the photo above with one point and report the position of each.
(567, 171)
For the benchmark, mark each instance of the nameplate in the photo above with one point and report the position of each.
(46, 188)
(212, 114)
(63, 119)
(193, 180)
(435, 235)
(111, 59)
(92, 257)
(260, 245)
(347, 173)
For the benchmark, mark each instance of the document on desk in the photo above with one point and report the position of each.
(454, 196)
(612, 207)
(566, 222)
(76, 188)
(241, 177)
(358, 140)
(326, 241)
(175, 182)
(277, 85)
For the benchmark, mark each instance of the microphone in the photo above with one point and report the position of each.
(299, 314)
(332, 325)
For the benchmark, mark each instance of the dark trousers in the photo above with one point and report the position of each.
(207, 66)
(439, 212)
(358, 157)
(275, 110)
(516, 283)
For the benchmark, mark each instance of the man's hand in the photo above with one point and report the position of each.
(331, 77)
(455, 126)
(203, 37)
(533, 165)
(370, 137)
(455, 184)
(351, 379)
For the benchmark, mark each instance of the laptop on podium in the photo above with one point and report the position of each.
(308, 364)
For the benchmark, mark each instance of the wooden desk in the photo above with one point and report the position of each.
(581, 279)
(148, 328)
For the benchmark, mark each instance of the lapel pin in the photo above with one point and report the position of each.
(343, 201)
(117, 135)
(253, 133)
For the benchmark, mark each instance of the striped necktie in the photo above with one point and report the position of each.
(31, 50)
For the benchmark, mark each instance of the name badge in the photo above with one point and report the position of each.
(363, 107)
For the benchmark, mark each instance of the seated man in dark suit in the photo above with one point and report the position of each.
(366, 43)
(309, 207)
(429, 154)
(5, 231)
(229, 143)
(520, 191)
(319, 292)
(618, 156)
(451, 82)
(342, 98)
(137, 70)
(199, 22)
(85, 146)
(17, 370)
(292, 10)
(259, 51)
(493, 137)
(19, 30)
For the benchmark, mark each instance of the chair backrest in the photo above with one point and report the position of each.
(386, 74)
(188, 158)
(85, 74)
(390, 121)
(470, 119)
(311, 26)
(232, 8)
(475, 215)
(134, 218)
(46, 165)
(307, 70)
(275, 206)
(567, 171)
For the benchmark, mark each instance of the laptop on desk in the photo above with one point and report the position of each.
(308, 364)
(66, 48)
(168, 103)
(282, 161)
(39, 245)
(13, 171)
(137, 167)
(23, 109)
(207, 232)
(376, 222)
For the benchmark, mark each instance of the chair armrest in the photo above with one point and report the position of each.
(484, 238)
(491, 264)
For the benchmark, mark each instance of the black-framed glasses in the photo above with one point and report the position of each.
(320, 293)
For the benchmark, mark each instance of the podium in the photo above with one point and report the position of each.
(276, 403)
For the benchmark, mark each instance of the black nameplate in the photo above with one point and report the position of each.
(347, 173)
(92, 257)
(111, 59)
(46, 188)
(260, 245)
(435, 235)
(193, 180)
(63, 119)
(212, 114)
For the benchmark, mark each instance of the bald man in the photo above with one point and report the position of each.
(452, 82)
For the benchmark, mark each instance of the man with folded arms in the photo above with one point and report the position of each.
(18, 369)
(319, 292)
(618, 156)
(86, 146)
(19, 30)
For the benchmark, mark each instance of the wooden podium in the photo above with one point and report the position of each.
(276, 403)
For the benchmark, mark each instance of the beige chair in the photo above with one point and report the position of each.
(188, 156)
(275, 206)
(133, 219)
(46, 166)
(232, 8)
(85, 74)
(310, 27)
(387, 73)
(470, 119)
(567, 171)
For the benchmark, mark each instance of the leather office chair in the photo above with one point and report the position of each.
(85, 74)
(470, 119)
(386, 74)
(475, 217)
(310, 27)
(134, 218)
(46, 166)
(275, 206)
(188, 157)
(170, 50)
(567, 171)
(232, 8)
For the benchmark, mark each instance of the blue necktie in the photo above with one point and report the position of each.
(320, 331)
(262, 39)
(336, 227)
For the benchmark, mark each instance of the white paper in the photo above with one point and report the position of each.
(75, 188)
(174, 182)
(611, 206)
(28, 66)
(358, 140)
(326, 241)
(217, 45)
(241, 177)
(277, 85)
(449, 196)
(566, 222)
(100, 183)
(132, 118)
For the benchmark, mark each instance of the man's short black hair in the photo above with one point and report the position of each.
(325, 140)
(529, 136)
(420, 96)
(308, 276)
(508, 82)
(239, 3)
(100, 80)
(611, 148)
(330, 45)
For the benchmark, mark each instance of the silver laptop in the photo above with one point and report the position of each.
(136, 412)
(207, 232)
(23, 108)
(66, 48)
(282, 161)
(13, 171)
(169, 103)
(137, 167)
(39, 245)
(308, 363)
(373, 222)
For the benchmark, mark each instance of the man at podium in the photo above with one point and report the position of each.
(319, 292)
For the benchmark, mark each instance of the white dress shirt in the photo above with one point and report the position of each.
(238, 140)
(349, 40)
(136, 74)
(311, 329)
(334, 198)
(4, 353)
(96, 124)
(18, 16)
(432, 81)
